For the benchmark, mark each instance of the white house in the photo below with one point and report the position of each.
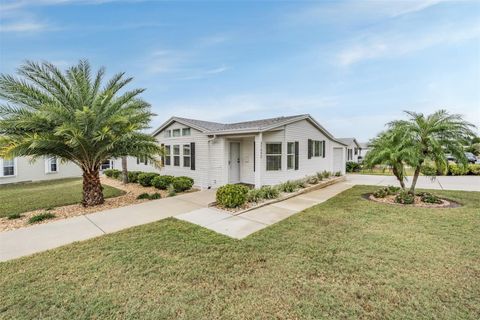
(353, 149)
(261, 152)
(22, 169)
(364, 148)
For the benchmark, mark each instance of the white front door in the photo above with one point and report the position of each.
(338, 164)
(234, 162)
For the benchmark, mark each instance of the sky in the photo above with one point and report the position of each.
(352, 65)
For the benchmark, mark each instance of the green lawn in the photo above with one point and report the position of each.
(347, 258)
(383, 172)
(18, 198)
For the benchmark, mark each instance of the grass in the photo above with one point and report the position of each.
(18, 198)
(40, 217)
(383, 172)
(347, 258)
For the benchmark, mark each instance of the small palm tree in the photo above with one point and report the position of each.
(388, 149)
(427, 138)
(74, 117)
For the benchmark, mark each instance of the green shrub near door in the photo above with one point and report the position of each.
(232, 195)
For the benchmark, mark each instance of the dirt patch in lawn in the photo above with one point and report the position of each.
(390, 199)
(131, 192)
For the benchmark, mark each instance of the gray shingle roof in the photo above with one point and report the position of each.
(245, 125)
(348, 141)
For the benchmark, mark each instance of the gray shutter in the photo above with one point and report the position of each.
(296, 155)
(254, 160)
(323, 146)
(192, 155)
(310, 148)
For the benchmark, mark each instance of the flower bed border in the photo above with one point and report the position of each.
(446, 203)
(284, 196)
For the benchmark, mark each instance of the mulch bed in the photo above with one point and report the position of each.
(418, 202)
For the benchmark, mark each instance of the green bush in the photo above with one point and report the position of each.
(112, 173)
(320, 176)
(171, 191)
(133, 176)
(312, 180)
(155, 196)
(326, 174)
(143, 196)
(41, 217)
(14, 216)
(391, 190)
(427, 197)
(269, 192)
(145, 179)
(254, 195)
(405, 198)
(338, 174)
(288, 186)
(232, 195)
(162, 182)
(301, 183)
(456, 170)
(352, 166)
(181, 184)
(428, 170)
(474, 169)
(381, 193)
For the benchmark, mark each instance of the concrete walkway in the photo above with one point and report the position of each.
(25, 241)
(242, 225)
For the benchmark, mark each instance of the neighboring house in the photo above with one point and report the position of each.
(353, 149)
(261, 152)
(22, 169)
(364, 148)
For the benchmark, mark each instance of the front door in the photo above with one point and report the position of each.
(234, 162)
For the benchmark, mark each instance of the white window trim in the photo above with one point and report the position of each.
(168, 155)
(189, 132)
(274, 154)
(48, 167)
(291, 154)
(14, 169)
(167, 134)
(179, 155)
(179, 133)
(188, 156)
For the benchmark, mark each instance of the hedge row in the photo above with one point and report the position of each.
(152, 179)
(453, 170)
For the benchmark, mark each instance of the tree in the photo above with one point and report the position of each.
(124, 170)
(427, 138)
(74, 117)
(389, 149)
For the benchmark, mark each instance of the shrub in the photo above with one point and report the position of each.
(474, 169)
(269, 192)
(320, 176)
(288, 186)
(381, 193)
(429, 198)
(428, 170)
(133, 176)
(405, 198)
(338, 174)
(14, 216)
(326, 174)
(182, 183)
(41, 217)
(162, 182)
(254, 195)
(112, 173)
(171, 191)
(456, 170)
(155, 196)
(352, 166)
(145, 179)
(143, 196)
(391, 190)
(301, 183)
(232, 195)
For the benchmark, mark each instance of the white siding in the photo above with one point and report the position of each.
(26, 171)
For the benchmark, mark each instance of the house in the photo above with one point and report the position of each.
(23, 169)
(260, 152)
(353, 149)
(364, 148)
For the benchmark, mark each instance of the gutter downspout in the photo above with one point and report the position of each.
(208, 154)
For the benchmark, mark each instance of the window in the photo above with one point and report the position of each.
(143, 160)
(52, 165)
(8, 167)
(316, 149)
(167, 134)
(167, 156)
(176, 155)
(176, 132)
(186, 155)
(290, 155)
(274, 156)
(185, 131)
(356, 151)
(349, 154)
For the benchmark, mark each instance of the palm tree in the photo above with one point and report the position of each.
(388, 149)
(74, 117)
(124, 170)
(429, 137)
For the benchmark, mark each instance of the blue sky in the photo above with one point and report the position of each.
(353, 65)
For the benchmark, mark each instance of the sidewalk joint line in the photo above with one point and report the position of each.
(95, 224)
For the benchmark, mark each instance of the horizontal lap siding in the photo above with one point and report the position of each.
(299, 131)
(200, 174)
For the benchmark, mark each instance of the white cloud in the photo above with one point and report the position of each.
(22, 27)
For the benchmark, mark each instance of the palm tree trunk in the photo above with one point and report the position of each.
(124, 170)
(396, 174)
(415, 178)
(92, 188)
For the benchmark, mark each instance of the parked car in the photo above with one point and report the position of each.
(470, 157)
(450, 158)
